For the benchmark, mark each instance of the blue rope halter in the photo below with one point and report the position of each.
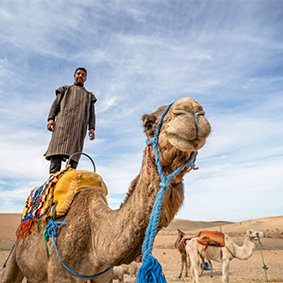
(51, 230)
(151, 270)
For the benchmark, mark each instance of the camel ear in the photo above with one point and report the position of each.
(250, 233)
(149, 124)
(145, 117)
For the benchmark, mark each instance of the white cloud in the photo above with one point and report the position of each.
(224, 55)
(233, 192)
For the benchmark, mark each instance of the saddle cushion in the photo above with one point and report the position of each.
(211, 238)
(71, 183)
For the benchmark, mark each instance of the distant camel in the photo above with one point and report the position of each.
(131, 269)
(179, 245)
(224, 254)
(118, 273)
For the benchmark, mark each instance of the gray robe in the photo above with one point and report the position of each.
(72, 111)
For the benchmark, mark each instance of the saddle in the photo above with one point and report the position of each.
(59, 190)
(211, 238)
(70, 184)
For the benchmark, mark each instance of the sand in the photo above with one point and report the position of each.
(248, 271)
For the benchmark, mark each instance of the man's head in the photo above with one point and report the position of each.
(80, 75)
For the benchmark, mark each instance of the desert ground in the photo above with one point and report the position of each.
(248, 271)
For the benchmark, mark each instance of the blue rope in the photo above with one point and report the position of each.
(52, 229)
(5, 263)
(264, 266)
(151, 270)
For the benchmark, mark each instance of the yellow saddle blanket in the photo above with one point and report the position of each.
(71, 183)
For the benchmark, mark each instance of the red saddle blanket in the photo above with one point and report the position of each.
(211, 238)
(186, 240)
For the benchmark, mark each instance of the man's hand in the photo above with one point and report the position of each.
(91, 134)
(51, 125)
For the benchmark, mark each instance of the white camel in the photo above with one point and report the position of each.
(224, 254)
(180, 245)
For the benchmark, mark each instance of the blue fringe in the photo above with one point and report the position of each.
(150, 271)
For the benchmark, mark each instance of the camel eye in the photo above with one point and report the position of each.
(148, 125)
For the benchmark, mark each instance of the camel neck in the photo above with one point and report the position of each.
(132, 218)
(246, 250)
(178, 240)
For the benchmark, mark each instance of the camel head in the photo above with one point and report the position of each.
(181, 233)
(184, 130)
(254, 235)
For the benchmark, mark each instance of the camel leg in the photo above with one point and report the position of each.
(194, 271)
(194, 264)
(181, 272)
(202, 267)
(12, 273)
(186, 265)
(188, 262)
(210, 264)
(225, 271)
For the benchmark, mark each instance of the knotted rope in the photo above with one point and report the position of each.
(151, 270)
(51, 230)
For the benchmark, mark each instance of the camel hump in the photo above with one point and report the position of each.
(211, 238)
(71, 183)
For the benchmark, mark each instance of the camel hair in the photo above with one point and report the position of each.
(97, 237)
(180, 246)
(224, 254)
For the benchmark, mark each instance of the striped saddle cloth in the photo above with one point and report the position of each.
(59, 191)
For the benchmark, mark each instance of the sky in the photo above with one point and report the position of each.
(227, 55)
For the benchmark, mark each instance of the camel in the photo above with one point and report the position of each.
(131, 269)
(180, 246)
(224, 254)
(97, 237)
(118, 273)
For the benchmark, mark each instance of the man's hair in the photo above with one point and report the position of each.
(82, 69)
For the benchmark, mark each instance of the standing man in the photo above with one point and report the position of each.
(70, 114)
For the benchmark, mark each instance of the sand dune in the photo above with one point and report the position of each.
(240, 270)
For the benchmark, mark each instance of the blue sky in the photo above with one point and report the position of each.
(140, 55)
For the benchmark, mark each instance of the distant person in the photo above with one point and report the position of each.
(71, 113)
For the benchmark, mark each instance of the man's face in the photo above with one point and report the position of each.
(80, 76)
